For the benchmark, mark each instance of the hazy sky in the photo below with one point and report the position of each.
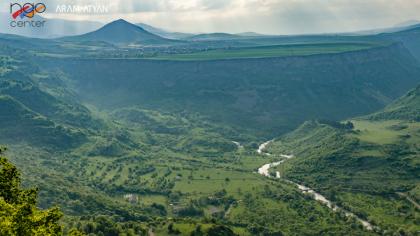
(264, 16)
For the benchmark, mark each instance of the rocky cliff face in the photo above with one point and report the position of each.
(268, 96)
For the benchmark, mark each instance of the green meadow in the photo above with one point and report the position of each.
(269, 51)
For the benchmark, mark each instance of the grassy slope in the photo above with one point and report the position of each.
(405, 108)
(20, 124)
(31, 113)
(366, 168)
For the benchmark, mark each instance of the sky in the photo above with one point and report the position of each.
(263, 16)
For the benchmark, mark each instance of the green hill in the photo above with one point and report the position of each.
(50, 106)
(368, 166)
(19, 124)
(406, 108)
(38, 109)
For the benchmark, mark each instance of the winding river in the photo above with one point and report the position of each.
(265, 171)
(263, 146)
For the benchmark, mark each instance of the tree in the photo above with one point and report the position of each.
(18, 212)
(172, 230)
(220, 230)
(197, 231)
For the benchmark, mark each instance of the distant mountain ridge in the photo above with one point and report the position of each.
(214, 36)
(122, 32)
(164, 33)
(408, 23)
(251, 34)
(409, 37)
(61, 28)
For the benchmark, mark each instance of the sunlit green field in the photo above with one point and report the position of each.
(387, 132)
(270, 51)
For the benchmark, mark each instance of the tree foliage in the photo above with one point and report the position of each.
(18, 212)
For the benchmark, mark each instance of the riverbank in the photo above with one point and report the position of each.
(265, 171)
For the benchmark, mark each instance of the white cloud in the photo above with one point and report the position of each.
(266, 16)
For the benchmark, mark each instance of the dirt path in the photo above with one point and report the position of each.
(408, 198)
